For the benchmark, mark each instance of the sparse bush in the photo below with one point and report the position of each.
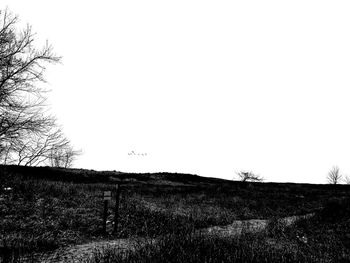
(245, 176)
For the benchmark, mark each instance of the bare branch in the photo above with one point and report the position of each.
(21, 67)
(24, 126)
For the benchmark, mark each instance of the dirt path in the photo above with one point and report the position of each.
(247, 226)
(81, 253)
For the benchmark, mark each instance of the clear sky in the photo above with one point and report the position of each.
(204, 87)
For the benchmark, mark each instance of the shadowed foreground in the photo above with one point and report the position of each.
(57, 213)
(123, 246)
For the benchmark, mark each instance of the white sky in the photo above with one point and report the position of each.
(205, 87)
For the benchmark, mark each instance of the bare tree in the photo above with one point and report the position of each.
(347, 179)
(245, 176)
(22, 66)
(63, 157)
(334, 176)
(35, 150)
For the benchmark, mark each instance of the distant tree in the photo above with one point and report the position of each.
(245, 176)
(347, 179)
(63, 157)
(22, 66)
(334, 176)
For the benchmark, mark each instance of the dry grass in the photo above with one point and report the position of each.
(40, 214)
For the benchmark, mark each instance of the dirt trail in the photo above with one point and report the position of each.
(247, 226)
(81, 253)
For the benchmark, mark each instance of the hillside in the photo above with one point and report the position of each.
(92, 176)
(45, 208)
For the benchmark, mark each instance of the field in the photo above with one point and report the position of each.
(162, 216)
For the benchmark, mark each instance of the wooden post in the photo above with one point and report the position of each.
(106, 198)
(105, 210)
(116, 212)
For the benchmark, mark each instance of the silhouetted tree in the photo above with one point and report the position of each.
(334, 176)
(22, 66)
(28, 136)
(245, 176)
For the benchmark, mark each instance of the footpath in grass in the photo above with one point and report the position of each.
(123, 247)
(323, 237)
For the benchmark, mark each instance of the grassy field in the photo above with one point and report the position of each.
(324, 237)
(45, 208)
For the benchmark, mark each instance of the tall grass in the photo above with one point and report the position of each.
(38, 214)
(315, 239)
(192, 248)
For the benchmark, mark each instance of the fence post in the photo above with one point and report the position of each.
(116, 212)
(106, 198)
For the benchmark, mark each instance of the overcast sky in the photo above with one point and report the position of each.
(204, 87)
